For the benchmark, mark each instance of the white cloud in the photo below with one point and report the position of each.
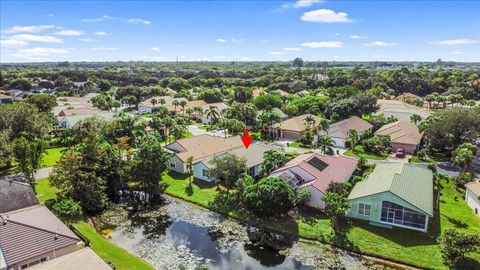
(325, 16)
(244, 58)
(452, 42)
(358, 37)
(276, 53)
(87, 40)
(292, 49)
(380, 44)
(379, 56)
(264, 41)
(28, 29)
(458, 52)
(13, 43)
(220, 40)
(139, 21)
(37, 38)
(105, 49)
(69, 33)
(155, 49)
(101, 33)
(238, 39)
(51, 15)
(42, 52)
(99, 19)
(305, 3)
(322, 44)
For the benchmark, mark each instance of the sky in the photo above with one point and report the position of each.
(316, 30)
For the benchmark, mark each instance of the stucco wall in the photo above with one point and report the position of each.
(198, 171)
(339, 142)
(316, 198)
(50, 255)
(472, 201)
(376, 205)
(179, 165)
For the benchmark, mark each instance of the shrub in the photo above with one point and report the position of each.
(303, 196)
(67, 208)
(454, 245)
(463, 178)
(268, 197)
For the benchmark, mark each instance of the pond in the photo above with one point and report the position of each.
(179, 235)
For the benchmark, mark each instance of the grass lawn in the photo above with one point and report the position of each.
(431, 159)
(297, 144)
(52, 156)
(204, 127)
(110, 252)
(360, 152)
(102, 247)
(200, 193)
(44, 191)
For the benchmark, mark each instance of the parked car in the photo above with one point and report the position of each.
(400, 153)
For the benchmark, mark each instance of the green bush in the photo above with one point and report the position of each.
(302, 196)
(268, 197)
(67, 208)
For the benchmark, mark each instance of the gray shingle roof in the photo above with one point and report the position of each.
(15, 193)
(412, 184)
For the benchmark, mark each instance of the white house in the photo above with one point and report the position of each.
(204, 148)
(472, 196)
(339, 131)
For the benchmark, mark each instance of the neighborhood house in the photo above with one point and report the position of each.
(472, 196)
(339, 130)
(316, 172)
(294, 127)
(403, 135)
(394, 194)
(204, 148)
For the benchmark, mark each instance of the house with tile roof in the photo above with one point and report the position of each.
(294, 127)
(316, 172)
(81, 259)
(400, 110)
(472, 196)
(403, 135)
(339, 131)
(204, 148)
(32, 235)
(394, 194)
(146, 106)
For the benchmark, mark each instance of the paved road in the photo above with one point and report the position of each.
(43, 173)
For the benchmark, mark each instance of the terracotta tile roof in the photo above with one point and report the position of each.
(254, 154)
(204, 145)
(80, 111)
(15, 193)
(28, 233)
(338, 169)
(474, 187)
(340, 129)
(296, 123)
(401, 132)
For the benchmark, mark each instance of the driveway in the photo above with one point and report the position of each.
(197, 131)
(43, 173)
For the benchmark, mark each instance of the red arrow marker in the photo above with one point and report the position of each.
(246, 139)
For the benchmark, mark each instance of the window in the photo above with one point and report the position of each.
(44, 259)
(397, 214)
(25, 266)
(204, 172)
(172, 164)
(364, 209)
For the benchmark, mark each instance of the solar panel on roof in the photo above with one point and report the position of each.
(317, 163)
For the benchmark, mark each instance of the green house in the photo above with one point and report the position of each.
(394, 194)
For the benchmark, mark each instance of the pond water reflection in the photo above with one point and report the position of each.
(180, 235)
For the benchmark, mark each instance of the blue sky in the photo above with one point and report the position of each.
(239, 30)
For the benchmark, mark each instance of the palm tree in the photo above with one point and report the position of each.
(189, 111)
(183, 103)
(162, 101)
(325, 143)
(354, 138)
(177, 130)
(463, 156)
(175, 103)
(415, 119)
(116, 104)
(431, 98)
(154, 101)
(324, 125)
(309, 121)
(212, 113)
(189, 164)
